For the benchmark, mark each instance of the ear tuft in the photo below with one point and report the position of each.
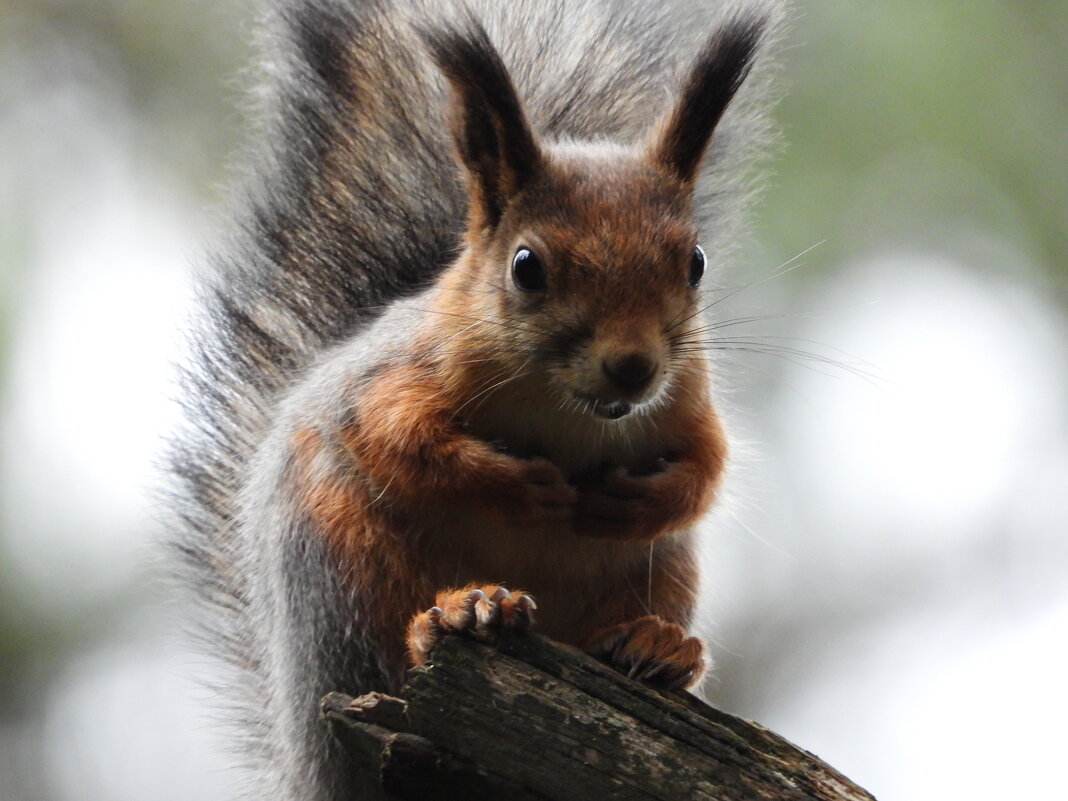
(492, 136)
(718, 72)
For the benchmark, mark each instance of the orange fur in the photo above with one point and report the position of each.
(341, 508)
(407, 441)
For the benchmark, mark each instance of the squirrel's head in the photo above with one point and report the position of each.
(582, 260)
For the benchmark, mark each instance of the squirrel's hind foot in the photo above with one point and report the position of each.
(652, 651)
(477, 611)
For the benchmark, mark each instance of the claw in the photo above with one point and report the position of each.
(526, 602)
(682, 681)
(653, 670)
(499, 595)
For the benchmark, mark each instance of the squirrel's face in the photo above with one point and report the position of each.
(597, 272)
(583, 260)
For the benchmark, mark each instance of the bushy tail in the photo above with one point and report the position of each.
(352, 199)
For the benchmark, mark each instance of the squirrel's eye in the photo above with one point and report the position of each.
(697, 266)
(527, 271)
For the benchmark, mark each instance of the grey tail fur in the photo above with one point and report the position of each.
(352, 200)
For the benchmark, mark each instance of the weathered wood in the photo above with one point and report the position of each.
(540, 720)
(406, 765)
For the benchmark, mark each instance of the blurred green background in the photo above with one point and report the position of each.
(890, 578)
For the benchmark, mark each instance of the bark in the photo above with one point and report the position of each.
(543, 721)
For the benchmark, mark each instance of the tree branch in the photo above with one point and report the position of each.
(543, 721)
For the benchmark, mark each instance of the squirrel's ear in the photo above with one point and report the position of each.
(723, 64)
(494, 140)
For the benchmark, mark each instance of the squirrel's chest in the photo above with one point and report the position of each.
(576, 442)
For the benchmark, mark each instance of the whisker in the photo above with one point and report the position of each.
(794, 355)
(786, 267)
(484, 392)
(506, 324)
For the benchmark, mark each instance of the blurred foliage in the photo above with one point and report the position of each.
(913, 123)
(175, 65)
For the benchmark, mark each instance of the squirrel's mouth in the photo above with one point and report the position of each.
(612, 408)
(605, 409)
(612, 411)
(610, 404)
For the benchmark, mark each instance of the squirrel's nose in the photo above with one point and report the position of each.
(631, 371)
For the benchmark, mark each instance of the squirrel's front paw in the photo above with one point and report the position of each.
(618, 505)
(475, 611)
(545, 493)
(652, 651)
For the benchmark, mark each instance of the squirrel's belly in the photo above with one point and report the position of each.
(574, 580)
(537, 557)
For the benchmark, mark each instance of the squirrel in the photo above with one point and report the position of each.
(450, 354)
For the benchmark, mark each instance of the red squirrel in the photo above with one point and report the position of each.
(530, 437)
